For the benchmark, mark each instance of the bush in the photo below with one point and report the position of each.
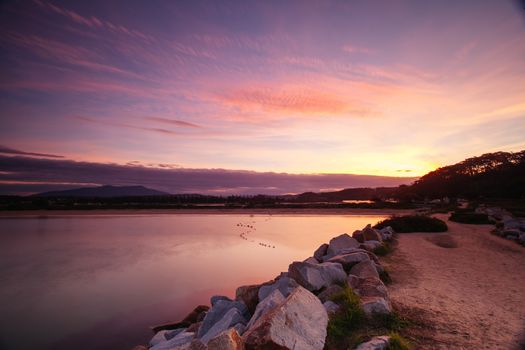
(397, 342)
(413, 223)
(470, 218)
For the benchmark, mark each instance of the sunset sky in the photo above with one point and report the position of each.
(386, 88)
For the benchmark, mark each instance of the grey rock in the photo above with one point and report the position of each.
(298, 323)
(230, 319)
(372, 287)
(218, 311)
(358, 236)
(349, 260)
(284, 284)
(365, 269)
(316, 276)
(329, 292)
(320, 252)
(179, 340)
(387, 233)
(371, 234)
(340, 242)
(352, 281)
(214, 299)
(330, 307)
(227, 340)
(270, 302)
(249, 295)
(159, 337)
(370, 245)
(376, 343)
(376, 305)
(312, 260)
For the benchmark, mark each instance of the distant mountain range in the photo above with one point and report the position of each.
(105, 192)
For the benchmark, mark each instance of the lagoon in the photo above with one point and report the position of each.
(98, 281)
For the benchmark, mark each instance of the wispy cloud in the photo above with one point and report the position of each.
(126, 125)
(7, 150)
(175, 122)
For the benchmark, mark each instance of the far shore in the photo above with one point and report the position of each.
(222, 211)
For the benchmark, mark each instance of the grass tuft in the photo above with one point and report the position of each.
(397, 342)
(383, 249)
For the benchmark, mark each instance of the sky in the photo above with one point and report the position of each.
(386, 89)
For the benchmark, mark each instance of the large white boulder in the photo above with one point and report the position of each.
(316, 276)
(298, 323)
(339, 243)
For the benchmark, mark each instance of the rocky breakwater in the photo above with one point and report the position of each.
(293, 310)
(507, 225)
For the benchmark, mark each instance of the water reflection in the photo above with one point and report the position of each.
(99, 281)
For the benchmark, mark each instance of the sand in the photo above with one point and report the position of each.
(466, 287)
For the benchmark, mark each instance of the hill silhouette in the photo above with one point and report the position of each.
(106, 191)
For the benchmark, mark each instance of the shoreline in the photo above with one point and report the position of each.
(236, 211)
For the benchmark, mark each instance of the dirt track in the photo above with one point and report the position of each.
(473, 295)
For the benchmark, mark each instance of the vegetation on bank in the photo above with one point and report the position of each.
(350, 327)
(413, 223)
(469, 217)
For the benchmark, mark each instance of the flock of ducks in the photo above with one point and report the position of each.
(249, 228)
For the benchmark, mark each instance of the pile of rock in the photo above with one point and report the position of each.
(291, 311)
(507, 226)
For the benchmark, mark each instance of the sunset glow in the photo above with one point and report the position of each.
(389, 88)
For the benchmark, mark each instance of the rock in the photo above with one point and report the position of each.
(329, 292)
(371, 287)
(196, 315)
(358, 236)
(522, 238)
(214, 299)
(316, 276)
(376, 343)
(227, 340)
(196, 344)
(174, 332)
(340, 242)
(218, 311)
(330, 307)
(514, 233)
(375, 305)
(299, 323)
(311, 260)
(284, 284)
(365, 269)
(175, 342)
(159, 337)
(230, 319)
(371, 255)
(370, 245)
(320, 252)
(349, 260)
(271, 301)
(370, 234)
(379, 268)
(387, 233)
(249, 295)
(194, 327)
(352, 281)
(140, 347)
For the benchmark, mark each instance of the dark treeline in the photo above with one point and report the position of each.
(492, 175)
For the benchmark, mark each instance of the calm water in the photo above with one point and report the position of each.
(99, 281)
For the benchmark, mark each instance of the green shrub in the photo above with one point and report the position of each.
(349, 316)
(397, 342)
(383, 249)
(469, 218)
(413, 223)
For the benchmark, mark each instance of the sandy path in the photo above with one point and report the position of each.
(474, 294)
